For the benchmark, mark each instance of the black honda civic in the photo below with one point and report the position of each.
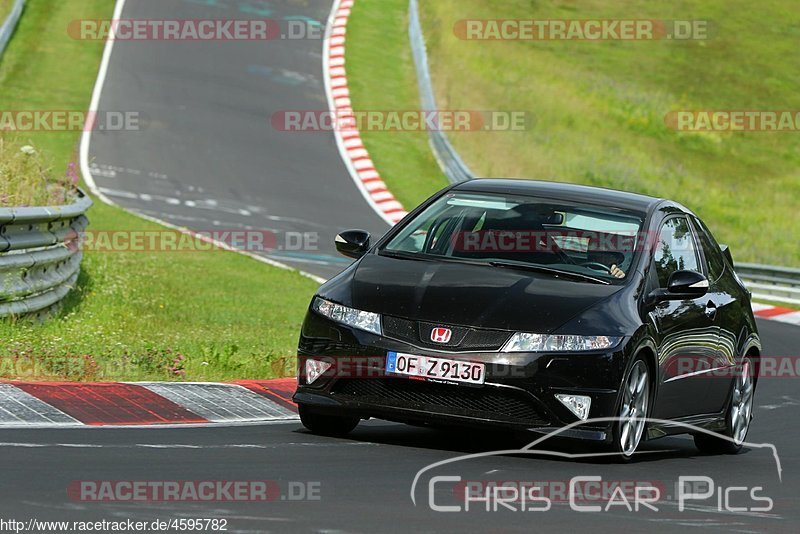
(534, 306)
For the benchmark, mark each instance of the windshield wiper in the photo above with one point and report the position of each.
(422, 256)
(547, 270)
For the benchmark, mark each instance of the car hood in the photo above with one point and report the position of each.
(471, 295)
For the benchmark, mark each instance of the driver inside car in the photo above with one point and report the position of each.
(616, 271)
(611, 260)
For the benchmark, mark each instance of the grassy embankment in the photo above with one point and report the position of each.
(136, 315)
(5, 8)
(600, 107)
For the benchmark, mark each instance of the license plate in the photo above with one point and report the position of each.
(430, 368)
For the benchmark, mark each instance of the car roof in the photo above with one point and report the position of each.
(564, 191)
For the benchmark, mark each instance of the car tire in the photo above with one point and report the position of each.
(633, 410)
(326, 425)
(738, 417)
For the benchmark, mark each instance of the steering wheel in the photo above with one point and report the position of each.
(596, 266)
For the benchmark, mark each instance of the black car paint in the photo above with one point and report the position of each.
(469, 294)
(716, 329)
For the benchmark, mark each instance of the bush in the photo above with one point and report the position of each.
(26, 178)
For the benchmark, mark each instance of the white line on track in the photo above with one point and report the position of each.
(186, 426)
(86, 140)
(28, 445)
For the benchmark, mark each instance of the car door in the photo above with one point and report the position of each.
(686, 335)
(727, 316)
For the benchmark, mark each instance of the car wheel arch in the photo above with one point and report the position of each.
(646, 350)
(648, 353)
(752, 349)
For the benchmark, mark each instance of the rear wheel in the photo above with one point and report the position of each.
(740, 413)
(633, 410)
(326, 425)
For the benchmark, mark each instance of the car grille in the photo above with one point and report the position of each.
(463, 338)
(324, 347)
(487, 403)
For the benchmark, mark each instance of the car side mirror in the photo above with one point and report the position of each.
(681, 285)
(687, 284)
(352, 243)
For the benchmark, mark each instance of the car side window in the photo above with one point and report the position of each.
(675, 250)
(711, 251)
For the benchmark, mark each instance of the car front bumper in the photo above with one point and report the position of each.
(518, 393)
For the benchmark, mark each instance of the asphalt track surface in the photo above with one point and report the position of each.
(206, 155)
(207, 136)
(364, 481)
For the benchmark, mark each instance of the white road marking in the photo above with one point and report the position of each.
(118, 193)
(788, 402)
(161, 426)
(94, 105)
(25, 445)
(108, 173)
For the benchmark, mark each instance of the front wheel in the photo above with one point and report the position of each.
(326, 425)
(633, 410)
(740, 413)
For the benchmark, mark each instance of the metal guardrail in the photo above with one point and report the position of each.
(449, 160)
(40, 255)
(8, 25)
(768, 282)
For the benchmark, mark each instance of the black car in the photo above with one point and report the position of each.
(533, 306)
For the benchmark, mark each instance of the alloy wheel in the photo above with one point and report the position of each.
(742, 403)
(633, 411)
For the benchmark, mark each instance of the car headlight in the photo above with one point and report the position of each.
(371, 322)
(524, 342)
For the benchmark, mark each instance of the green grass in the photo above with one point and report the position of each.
(381, 77)
(134, 315)
(5, 9)
(600, 106)
(27, 180)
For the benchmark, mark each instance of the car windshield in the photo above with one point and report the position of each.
(580, 241)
